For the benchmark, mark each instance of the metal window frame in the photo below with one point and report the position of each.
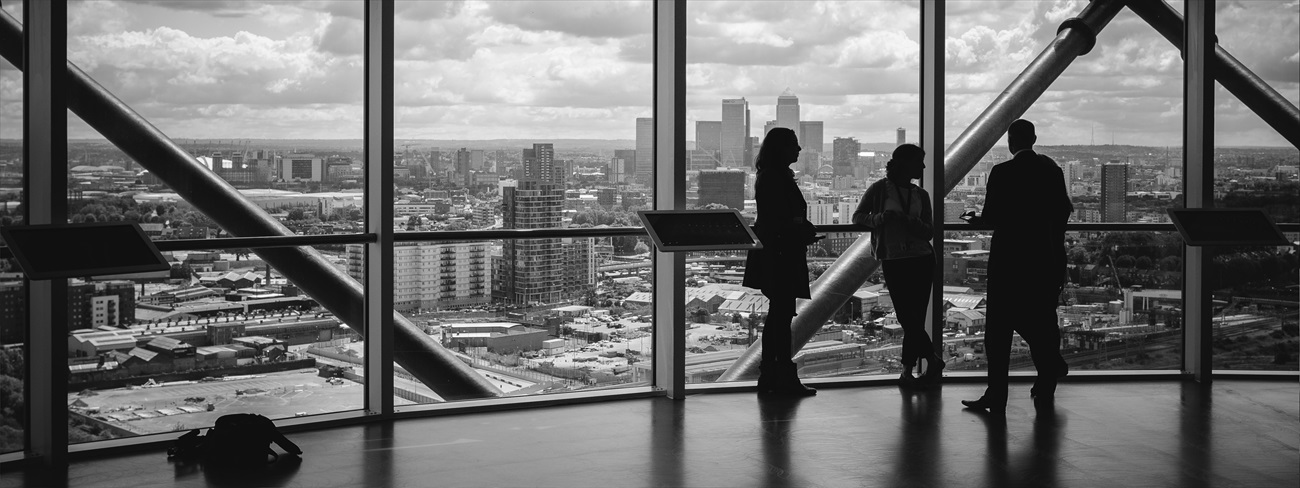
(932, 95)
(45, 144)
(379, 22)
(669, 268)
(1198, 182)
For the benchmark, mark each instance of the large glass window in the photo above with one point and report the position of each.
(844, 76)
(1112, 120)
(266, 96)
(523, 115)
(1254, 288)
(1121, 307)
(13, 295)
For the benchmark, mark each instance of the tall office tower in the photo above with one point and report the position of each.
(462, 166)
(530, 270)
(844, 155)
(623, 165)
(708, 135)
(902, 137)
(477, 161)
(540, 165)
(1114, 189)
(433, 275)
(735, 133)
(810, 136)
(768, 126)
(722, 186)
(645, 150)
(821, 213)
(787, 111)
(1072, 171)
(435, 160)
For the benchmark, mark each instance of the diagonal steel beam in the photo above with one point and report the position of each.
(1075, 38)
(1267, 103)
(418, 353)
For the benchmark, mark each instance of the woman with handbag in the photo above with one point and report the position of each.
(898, 214)
(780, 268)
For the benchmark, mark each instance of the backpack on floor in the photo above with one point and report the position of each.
(236, 439)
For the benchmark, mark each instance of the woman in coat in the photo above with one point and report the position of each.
(780, 269)
(898, 214)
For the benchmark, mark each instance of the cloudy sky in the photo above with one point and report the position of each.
(539, 70)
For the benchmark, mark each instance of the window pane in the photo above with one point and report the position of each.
(1121, 309)
(1254, 288)
(1112, 120)
(844, 76)
(530, 315)
(494, 95)
(266, 95)
(1254, 310)
(13, 295)
(1254, 166)
(220, 334)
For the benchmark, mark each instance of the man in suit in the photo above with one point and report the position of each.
(1027, 205)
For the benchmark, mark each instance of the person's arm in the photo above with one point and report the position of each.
(867, 213)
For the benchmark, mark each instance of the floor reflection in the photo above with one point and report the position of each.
(777, 415)
(919, 455)
(1034, 464)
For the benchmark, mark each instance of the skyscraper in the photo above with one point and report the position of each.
(735, 133)
(530, 270)
(902, 137)
(540, 165)
(810, 136)
(708, 135)
(1114, 189)
(723, 186)
(623, 165)
(787, 111)
(845, 155)
(462, 166)
(645, 149)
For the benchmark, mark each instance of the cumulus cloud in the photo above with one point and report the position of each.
(474, 69)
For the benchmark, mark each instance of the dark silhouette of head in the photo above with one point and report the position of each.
(1021, 135)
(907, 163)
(780, 148)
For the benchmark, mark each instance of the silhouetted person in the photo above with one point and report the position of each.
(1027, 205)
(898, 214)
(780, 269)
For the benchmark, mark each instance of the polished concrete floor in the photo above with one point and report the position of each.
(1235, 433)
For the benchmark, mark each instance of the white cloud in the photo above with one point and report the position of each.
(519, 69)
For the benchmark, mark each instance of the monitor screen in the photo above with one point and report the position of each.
(698, 230)
(75, 250)
(1226, 227)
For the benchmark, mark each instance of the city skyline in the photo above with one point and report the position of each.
(509, 70)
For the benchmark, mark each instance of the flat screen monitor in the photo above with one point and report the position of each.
(698, 230)
(1227, 227)
(74, 250)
